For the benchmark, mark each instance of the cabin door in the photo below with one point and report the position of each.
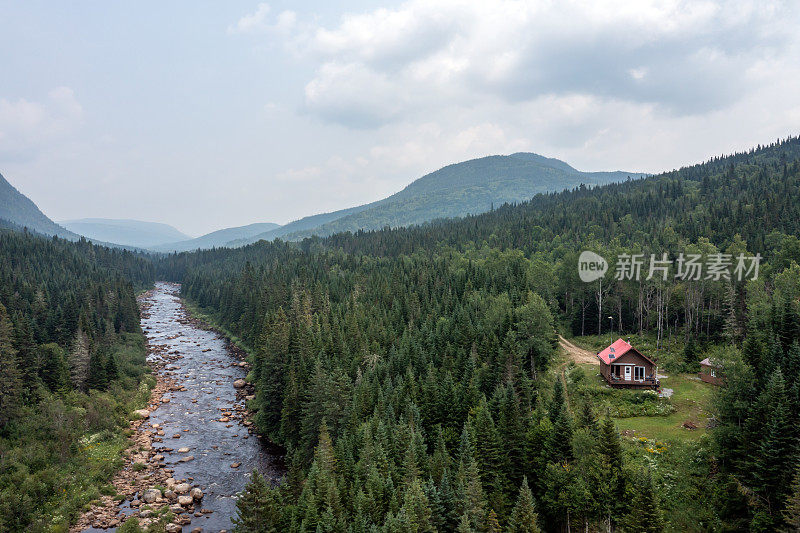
(627, 373)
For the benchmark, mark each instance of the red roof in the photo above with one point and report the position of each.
(615, 351)
(618, 349)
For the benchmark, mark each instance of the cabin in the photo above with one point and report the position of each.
(711, 371)
(623, 366)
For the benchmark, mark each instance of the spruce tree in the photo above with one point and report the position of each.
(258, 508)
(524, 517)
(645, 514)
(10, 383)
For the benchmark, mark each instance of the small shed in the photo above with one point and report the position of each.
(624, 366)
(711, 371)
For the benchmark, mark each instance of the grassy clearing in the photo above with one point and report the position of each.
(691, 401)
(641, 413)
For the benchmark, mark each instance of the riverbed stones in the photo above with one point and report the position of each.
(239, 384)
(151, 495)
(196, 493)
(186, 459)
(185, 501)
(142, 413)
(236, 465)
(182, 488)
(173, 528)
(183, 450)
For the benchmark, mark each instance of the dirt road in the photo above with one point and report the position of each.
(579, 355)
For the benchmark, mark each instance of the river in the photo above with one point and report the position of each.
(204, 414)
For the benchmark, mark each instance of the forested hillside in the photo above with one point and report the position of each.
(18, 209)
(133, 233)
(457, 190)
(217, 238)
(409, 372)
(71, 361)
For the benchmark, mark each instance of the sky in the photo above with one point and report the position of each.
(209, 114)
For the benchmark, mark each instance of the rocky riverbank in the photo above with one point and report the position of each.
(196, 414)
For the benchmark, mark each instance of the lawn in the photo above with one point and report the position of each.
(641, 414)
(691, 401)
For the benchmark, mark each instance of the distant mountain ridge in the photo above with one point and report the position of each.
(126, 232)
(217, 238)
(457, 190)
(20, 211)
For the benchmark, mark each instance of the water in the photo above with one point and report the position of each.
(207, 369)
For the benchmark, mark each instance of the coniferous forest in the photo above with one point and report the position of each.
(414, 376)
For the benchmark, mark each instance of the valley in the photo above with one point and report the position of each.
(195, 433)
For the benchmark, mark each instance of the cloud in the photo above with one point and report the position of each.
(259, 21)
(682, 56)
(27, 127)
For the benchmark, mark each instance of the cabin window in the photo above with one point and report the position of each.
(638, 373)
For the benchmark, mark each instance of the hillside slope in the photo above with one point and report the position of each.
(126, 232)
(469, 187)
(20, 210)
(218, 238)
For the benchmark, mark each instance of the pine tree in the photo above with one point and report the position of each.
(645, 514)
(416, 509)
(791, 511)
(492, 524)
(10, 384)
(523, 517)
(79, 360)
(258, 508)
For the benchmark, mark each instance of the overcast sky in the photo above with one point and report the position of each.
(214, 114)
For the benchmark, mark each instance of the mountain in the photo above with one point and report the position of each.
(304, 224)
(125, 232)
(19, 210)
(217, 238)
(457, 190)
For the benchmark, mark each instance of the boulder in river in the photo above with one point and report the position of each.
(185, 501)
(183, 450)
(182, 488)
(142, 413)
(239, 384)
(196, 493)
(151, 495)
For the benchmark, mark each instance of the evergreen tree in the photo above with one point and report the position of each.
(10, 381)
(523, 517)
(258, 508)
(645, 514)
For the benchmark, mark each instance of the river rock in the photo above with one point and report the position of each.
(182, 488)
(151, 495)
(196, 493)
(236, 465)
(239, 383)
(142, 413)
(173, 528)
(183, 450)
(169, 494)
(185, 501)
(186, 459)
